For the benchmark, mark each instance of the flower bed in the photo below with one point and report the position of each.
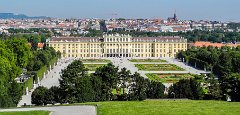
(93, 67)
(147, 60)
(168, 78)
(158, 67)
(94, 60)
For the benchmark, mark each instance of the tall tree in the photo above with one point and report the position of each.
(40, 96)
(108, 74)
(69, 81)
(124, 78)
(213, 88)
(230, 85)
(138, 87)
(22, 50)
(155, 90)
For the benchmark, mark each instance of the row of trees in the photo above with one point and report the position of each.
(17, 54)
(41, 58)
(197, 88)
(30, 30)
(223, 62)
(77, 86)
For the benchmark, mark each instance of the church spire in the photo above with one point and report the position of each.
(175, 16)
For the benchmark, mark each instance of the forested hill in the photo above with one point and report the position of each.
(18, 16)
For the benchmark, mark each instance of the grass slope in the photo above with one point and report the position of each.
(163, 107)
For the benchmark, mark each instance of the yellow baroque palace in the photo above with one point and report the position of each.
(118, 45)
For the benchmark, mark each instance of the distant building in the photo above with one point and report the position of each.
(173, 19)
(40, 45)
(166, 29)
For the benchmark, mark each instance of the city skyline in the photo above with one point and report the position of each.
(187, 10)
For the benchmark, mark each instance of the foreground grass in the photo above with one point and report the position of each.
(25, 113)
(163, 107)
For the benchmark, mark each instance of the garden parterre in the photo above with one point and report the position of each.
(158, 67)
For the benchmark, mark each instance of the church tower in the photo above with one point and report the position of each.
(175, 16)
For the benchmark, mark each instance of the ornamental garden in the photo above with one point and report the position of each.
(158, 67)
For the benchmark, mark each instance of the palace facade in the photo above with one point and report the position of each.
(118, 45)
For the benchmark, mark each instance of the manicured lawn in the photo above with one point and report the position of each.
(166, 107)
(158, 67)
(168, 78)
(93, 67)
(94, 60)
(147, 60)
(26, 113)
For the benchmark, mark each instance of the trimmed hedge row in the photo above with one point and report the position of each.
(39, 73)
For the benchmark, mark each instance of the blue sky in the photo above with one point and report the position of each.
(222, 10)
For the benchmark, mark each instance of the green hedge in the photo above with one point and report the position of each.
(43, 69)
(199, 63)
(39, 73)
(28, 83)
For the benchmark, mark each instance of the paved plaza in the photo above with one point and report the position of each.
(124, 62)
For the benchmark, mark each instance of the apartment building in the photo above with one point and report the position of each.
(118, 45)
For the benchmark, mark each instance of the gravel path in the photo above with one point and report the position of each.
(124, 62)
(51, 79)
(61, 110)
(187, 68)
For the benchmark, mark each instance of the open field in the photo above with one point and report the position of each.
(168, 78)
(25, 113)
(158, 67)
(93, 67)
(147, 60)
(95, 60)
(163, 107)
